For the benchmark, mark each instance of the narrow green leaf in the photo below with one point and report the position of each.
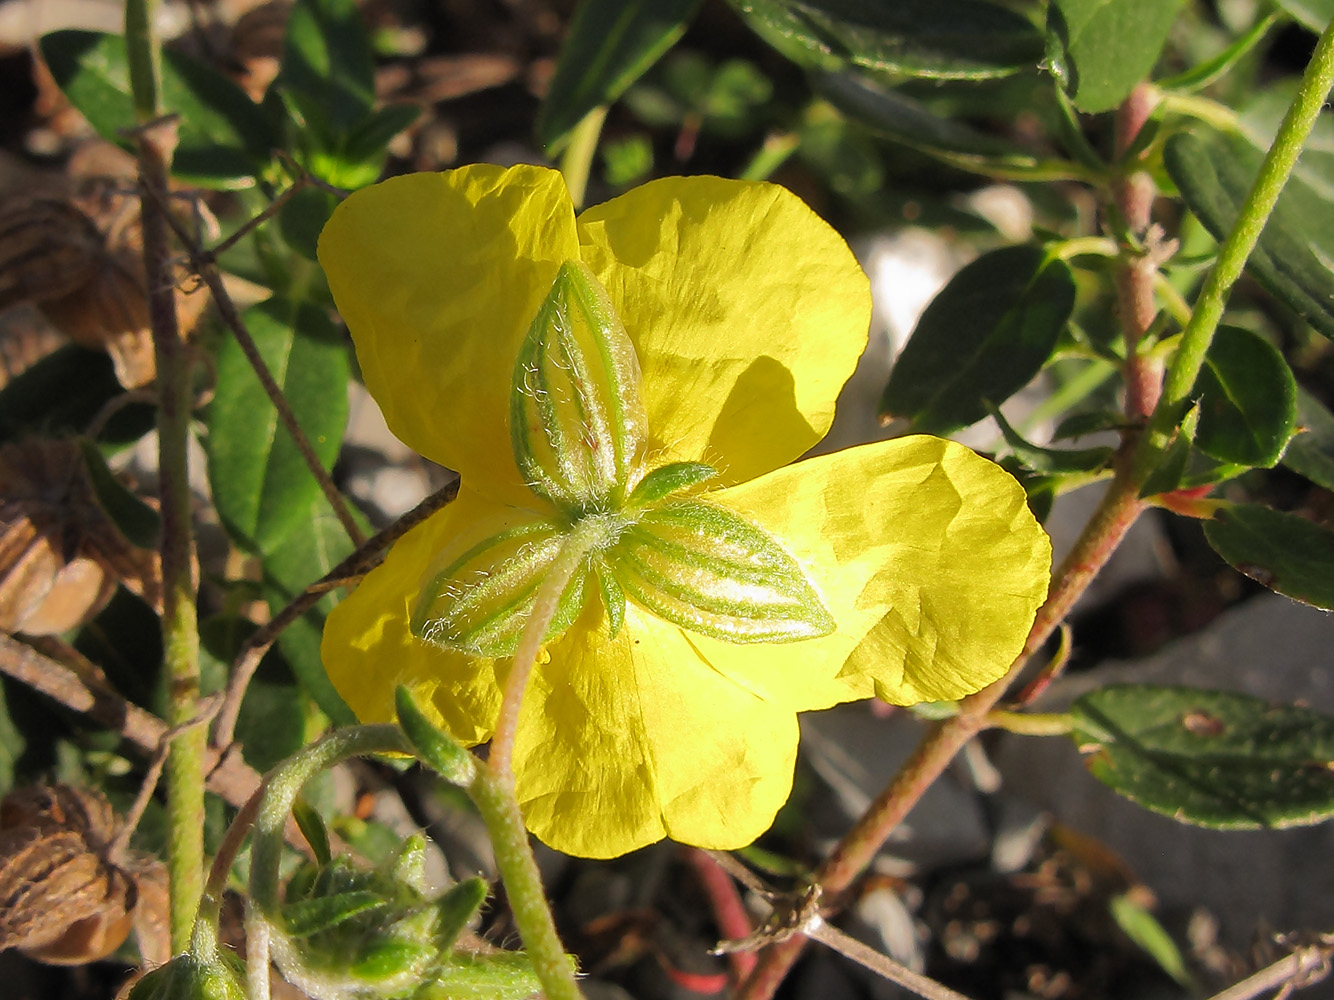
(308, 552)
(610, 45)
(1314, 14)
(312, 827)
(907, 121)
(478, 601)
(1283, 552)
(310, 916)
(139, 523)
(328, 70)
(577, 422)
(1311, 452)
(261, 485)
(225, 138)
(932, 39)
(1142, 927)
(1210, 758)
(1211, 70)
(1051, 460)
(1104, 47)
(436, 748)
(983, 338)
(1215, 175)
(456, 908)
(1248, 400)
(711, 571)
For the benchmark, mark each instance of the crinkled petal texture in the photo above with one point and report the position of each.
(747, 311)
(926, 555)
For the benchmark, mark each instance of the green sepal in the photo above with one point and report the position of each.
(436, 748)
(665, 480)
(480, 601)
(577, 422)
(205, 972)
(505, 975)
(613, 600)
(708, 570)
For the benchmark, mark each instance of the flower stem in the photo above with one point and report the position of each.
(180, 631)
(493, 791)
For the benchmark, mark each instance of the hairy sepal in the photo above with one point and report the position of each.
(480, 601)
(577, 422)
(710, 571)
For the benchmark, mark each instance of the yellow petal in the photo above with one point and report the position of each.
(368, 648)
(438, 277)
(748, 312)
(624, 741)
(925, 554)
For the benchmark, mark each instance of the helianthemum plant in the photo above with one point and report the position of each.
(622, 394)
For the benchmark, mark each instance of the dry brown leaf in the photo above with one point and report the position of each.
(61, 556)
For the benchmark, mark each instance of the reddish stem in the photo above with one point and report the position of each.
(728, 911)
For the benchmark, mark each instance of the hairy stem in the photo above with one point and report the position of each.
(1234, 251)
(1133, 192)
(155, 142)
(494, 793)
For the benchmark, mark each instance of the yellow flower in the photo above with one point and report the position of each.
(747, 313)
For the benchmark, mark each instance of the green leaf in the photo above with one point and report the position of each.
(304, 215)
(272, 721)
(1283, 552)
(1104, 47)
(1210, 758)
(610, 45)
(441, 752)
(577, 423)
(1311, 452)
(225, 138)
(711, 571)
(1142, 927)
(43, 399)
(1215, 175)
(932, 39)
(1211, 70)
(139, 523)
(261, 485)
(310, 916)
(480, 599)
(456, 908)
(1052, 460)
(1314, 14)
(312, 549)
(1247, 398)
(312, 827)
(12, 744)
(328, 70)
(983, 338)
(907, 121)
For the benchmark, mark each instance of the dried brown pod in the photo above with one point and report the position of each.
(79, 259)
(61, 555)
(63, 899)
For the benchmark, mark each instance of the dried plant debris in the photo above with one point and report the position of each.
(78, 259)
(61, 555)
(63, 899)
